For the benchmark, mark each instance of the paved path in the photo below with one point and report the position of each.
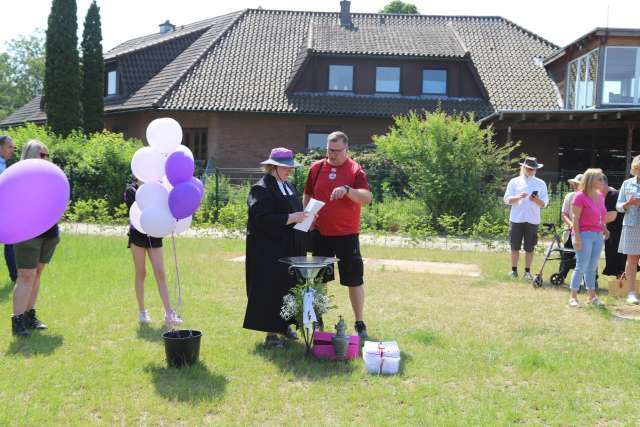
(365, 239)
(447, 268)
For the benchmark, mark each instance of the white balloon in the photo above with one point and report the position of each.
(185, 150)
(147, 164)
(183, 225)
(166, 184)
(164, 134)
(157, 222)
(134, 217)
(152, 195)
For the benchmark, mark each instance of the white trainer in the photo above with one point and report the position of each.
(573, 302)
(596, 302)
(632, 299)
(144, 317)
(171, 319)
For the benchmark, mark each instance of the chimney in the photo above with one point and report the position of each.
(345, 14)
(167, 27)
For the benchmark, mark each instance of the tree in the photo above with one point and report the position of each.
(454, 165)
(21, 72)
(62, 72)
(397, 6)
(92, 72)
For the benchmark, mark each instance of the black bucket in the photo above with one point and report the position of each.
(182, 347)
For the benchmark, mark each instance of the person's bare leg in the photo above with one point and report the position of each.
(528, 259)
(630, 271)
(515, 256)
(35, 288)
(356, 295)
(138, 254)
(157, 262)
(22, 290)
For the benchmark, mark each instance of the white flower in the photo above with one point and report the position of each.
(289, 308)
(322, 304)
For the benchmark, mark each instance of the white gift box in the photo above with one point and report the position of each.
(381, 357)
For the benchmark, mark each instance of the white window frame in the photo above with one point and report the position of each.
(352, 78)
(637, 75)
(399, 79)
(115, 82)
(578, 61)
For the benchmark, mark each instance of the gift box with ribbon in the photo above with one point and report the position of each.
(323, 347)
(381, 357)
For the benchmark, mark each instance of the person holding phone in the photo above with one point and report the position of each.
(526, 194)
(629, 204)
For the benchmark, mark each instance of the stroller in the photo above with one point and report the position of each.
(556, 251)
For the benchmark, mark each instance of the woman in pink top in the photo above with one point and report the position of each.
(589, 233)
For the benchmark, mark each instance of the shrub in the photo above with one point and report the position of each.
(95, 211)
(98, 167)
(453, 165)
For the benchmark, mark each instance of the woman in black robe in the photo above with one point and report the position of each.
(274, 208)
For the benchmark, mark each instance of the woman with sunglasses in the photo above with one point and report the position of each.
(31, 258)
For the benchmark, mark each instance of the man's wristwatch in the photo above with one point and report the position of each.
(347, 188)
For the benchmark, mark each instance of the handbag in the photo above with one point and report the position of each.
(619, 287)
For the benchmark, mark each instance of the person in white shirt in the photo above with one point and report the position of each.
(526, 195)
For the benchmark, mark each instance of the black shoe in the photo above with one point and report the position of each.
(291, 334)
(273, 340)
(361, 329)
(18, 327)
(31, 321)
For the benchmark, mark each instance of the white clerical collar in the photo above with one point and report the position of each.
(284, 188)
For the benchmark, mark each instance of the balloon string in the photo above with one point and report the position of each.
(175, 261)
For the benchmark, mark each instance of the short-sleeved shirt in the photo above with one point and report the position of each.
(566, 204)
(593, 213)
(526, 210)
(3, 164)
(337, 217)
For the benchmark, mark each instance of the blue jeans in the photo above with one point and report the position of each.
(587, 259)
(10, 259)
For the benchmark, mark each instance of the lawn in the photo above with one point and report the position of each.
(479, 351)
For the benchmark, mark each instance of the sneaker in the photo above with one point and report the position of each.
(596, 302)
(527, 276)
(513, 274)
(171, 319)
(361, 329)
(632, 299)
(31, 321)
(273, 340)
(144, 317)
(573, 302)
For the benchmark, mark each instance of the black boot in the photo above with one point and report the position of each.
(31, 321)
(17, 326)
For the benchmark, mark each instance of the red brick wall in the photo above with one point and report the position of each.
(245, 139)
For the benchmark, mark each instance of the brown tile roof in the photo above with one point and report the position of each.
(244, 61)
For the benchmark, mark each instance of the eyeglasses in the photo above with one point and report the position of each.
(530, 169)
(44, 156)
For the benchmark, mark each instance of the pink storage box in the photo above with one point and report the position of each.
(323, 348)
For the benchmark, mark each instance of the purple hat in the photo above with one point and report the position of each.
(281, 157)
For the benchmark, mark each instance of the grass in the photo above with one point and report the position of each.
(475, 351)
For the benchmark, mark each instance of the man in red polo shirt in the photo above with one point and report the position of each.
(341, 183)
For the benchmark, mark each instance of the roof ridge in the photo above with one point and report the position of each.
(157, 41)
(405, 15)
(169, 88)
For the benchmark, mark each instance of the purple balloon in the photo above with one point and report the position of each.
(33, 196)
(195, 181)
(179, 168)
(184, 200)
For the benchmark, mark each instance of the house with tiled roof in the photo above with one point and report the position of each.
(247, 81)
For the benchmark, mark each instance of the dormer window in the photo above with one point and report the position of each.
(112, 83)
(341, 78)
(388, 79)
(621, 84)
(434, 82)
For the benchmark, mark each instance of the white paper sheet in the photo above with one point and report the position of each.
(313, 207)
